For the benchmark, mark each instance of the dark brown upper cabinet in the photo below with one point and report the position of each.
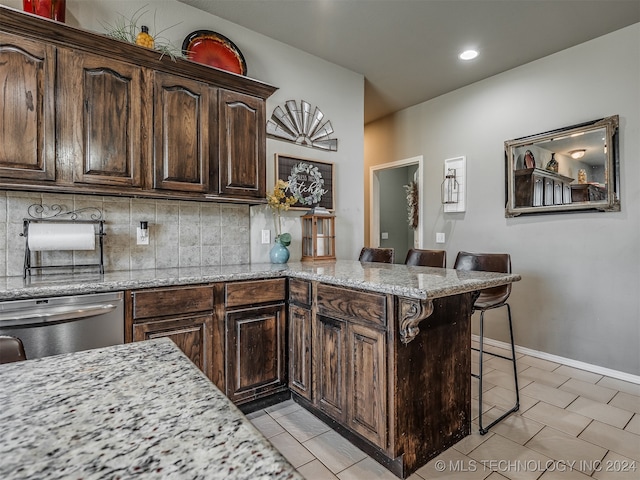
(181, 133)
(101, 107)
(242, 138)
(27, 136)
(85, 113)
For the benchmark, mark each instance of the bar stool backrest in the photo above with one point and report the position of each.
(381, 255)
(426, 258)
(487, 262)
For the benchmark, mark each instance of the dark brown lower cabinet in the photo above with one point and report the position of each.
(351, 360)
(330, 349)
(255, 324)
(185, 315)
(255, 353)
(191, 334)
(351, 376)
(367, 383)
(300, 365)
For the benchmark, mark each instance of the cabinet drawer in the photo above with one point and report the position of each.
(250, 293)
(171, 301)
(299, 291)
(352, 305)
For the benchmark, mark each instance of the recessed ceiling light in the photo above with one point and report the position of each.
(468, 55)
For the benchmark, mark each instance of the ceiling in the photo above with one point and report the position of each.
(407, 49)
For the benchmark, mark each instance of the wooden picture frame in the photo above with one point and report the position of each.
(311, 178)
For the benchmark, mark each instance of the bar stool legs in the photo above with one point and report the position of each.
(516, 407)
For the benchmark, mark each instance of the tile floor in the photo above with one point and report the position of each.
(572, 425)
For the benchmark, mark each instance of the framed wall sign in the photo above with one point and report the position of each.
(310, 180)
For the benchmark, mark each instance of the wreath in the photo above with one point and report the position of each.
(412, 204)
(310, 191)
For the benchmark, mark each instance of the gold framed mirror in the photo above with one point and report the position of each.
(565, 170)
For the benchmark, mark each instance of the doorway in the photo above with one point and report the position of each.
(388, 224)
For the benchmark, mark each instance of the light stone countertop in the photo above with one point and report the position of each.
(401, 280)
(138, 410)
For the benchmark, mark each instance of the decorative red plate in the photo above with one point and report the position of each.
(213, 49)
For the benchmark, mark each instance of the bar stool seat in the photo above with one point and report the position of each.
(426, 258)
(11, 349)
(490, 298)
(380, 255)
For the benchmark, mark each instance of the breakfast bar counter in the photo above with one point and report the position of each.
(401, 280)
(138, 410)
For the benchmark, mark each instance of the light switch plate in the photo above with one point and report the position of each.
(384, 235)
(266, 236)
(440, 237)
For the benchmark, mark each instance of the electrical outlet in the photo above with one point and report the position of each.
(440, 237)
(266, 236)
(384, 236)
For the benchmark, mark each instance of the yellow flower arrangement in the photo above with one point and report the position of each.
(278, 201)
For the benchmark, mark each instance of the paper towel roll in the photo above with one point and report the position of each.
(61, 236)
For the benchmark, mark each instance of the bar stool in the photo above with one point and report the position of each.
(11, 349)
(426, 258)
(490, 298)
(380, 255)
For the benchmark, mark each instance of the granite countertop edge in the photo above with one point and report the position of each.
(419, 283)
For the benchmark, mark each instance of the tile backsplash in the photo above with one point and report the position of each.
(181, 233)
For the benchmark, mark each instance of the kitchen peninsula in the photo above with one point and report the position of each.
(380, 352)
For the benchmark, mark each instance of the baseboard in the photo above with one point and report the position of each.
(627, 377)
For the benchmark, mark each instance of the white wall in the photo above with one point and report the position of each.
(579, 296)
(299, 76)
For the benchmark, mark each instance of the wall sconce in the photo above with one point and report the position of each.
(449, 187)
(452, 189)
(143, 234)
(576, 154)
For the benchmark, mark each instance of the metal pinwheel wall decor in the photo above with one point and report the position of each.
(297, 124)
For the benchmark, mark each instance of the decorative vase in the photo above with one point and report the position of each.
(53, 9)
(279, 253)
(552, 165)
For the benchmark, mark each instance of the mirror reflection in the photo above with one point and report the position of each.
(569, 169)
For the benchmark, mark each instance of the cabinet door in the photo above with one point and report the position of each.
(242, 145)
(192, 334)
(300, 350)
(181, 133)
(100, 117)
(255, 352)
(367, 383)
(27, 118)
(330, 366)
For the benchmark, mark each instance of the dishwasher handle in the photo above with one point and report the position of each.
(50, 315)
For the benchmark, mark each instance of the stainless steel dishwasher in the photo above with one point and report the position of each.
(50, 326)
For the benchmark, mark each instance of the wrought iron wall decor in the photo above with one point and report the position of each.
(297, 124)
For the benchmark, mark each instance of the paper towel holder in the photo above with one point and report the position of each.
(40, 213)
